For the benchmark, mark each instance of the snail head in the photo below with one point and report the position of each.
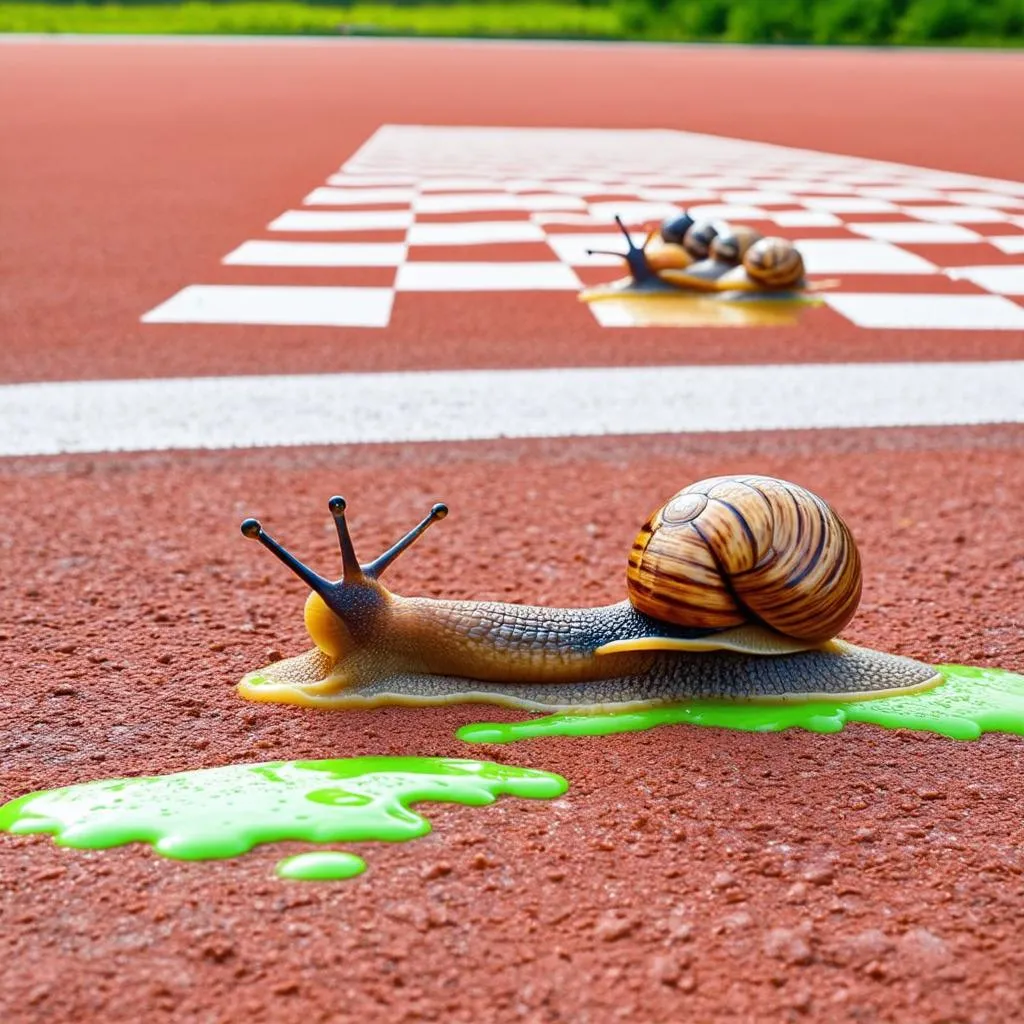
(341, 611)
(636, 260)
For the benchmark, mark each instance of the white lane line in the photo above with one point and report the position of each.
(341, 220)
(484, 202)
(477, 232)
(805, 219)
(957, 214)
(284, 305)
(486, 277)
(260, 253)
(859, 256)
(916, 232)
(1003, 279)
(326, 196)
(460, 405)
(928, 312)
(1010, 244)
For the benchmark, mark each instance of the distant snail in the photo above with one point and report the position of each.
(714, 258)
(736, 589)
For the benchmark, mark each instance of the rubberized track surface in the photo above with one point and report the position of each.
(689, 874)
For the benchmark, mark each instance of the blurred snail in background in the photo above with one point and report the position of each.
(711, 257)
(736, 588)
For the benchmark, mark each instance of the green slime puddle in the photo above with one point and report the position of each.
(216, 813)
(967, 703)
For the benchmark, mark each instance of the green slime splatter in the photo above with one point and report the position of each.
(967, 703)
(216, 813)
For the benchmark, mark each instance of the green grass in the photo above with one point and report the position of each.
(872, 22)
(533, 19)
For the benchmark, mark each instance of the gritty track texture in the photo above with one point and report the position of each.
(130, 171)
(688, 874)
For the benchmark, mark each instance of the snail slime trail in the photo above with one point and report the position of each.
(969, 701)
(215, 813)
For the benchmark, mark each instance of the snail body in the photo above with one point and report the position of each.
(736, 588)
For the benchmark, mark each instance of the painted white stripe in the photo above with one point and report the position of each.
(632, 213)
(470, 184)
(804, 219)
(259, 253)
(477, 232)
(1003, 279)
(1012, 245)
(986, 199)
(479, 202)
(929, 312)
(665, 195)
(342, 220)
(901, 193)
(486, 277)
(848, 204)
(359, 196)
(356, 181)
(915, 232)
(248, 412)
(859, 256)
(759, 197)
(282, 305)
(957, 214)
(727, 211)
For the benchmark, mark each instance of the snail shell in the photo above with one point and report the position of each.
(674, 228)
(732, 246)
(698, 239)
(774, 262)
(731, 550)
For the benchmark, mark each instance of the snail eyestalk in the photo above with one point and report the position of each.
(253, 529)
(350, 569)
(639, 269)
(376, 568)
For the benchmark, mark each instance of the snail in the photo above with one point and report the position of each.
(769, 267)
(736, 589)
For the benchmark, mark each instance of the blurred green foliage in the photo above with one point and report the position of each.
(860, 22)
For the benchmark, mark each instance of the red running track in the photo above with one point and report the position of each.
(691, 874)
(130, 170)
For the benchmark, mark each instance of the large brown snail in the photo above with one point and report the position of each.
(707, 256)
(737, 587)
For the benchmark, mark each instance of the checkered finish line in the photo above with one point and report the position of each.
(445, 209)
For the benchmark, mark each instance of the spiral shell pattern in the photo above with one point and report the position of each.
(774, 262)
(733, 550)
